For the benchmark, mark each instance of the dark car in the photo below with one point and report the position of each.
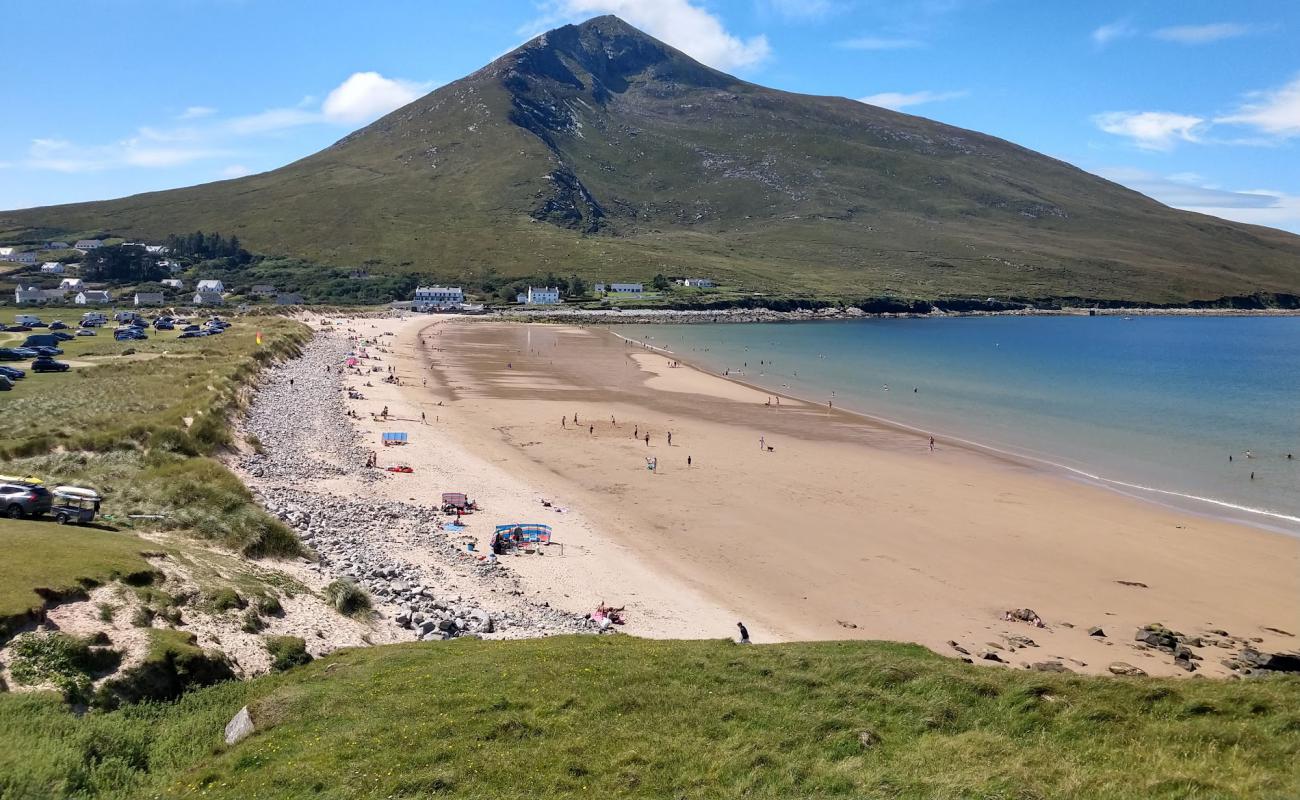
(18, 328)
(26, 352)
(58, 325)
(19, 500)
(42, 350)
(12, 373)
(47, 364)
(190, 328)
(63, 337)
(164, 326)
(129, 334)
(39, 324)
(138, 322)
(192, 334)
(12, 354)
(6, 383)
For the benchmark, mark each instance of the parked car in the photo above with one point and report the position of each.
(164, 326)
(25, 352)
(87, 332)
(47, 364)
(18, 328)
(138, 322)
(6, 383)
(129, 334)
(190, 328)
(11, 354)
(12, 373)
(46, 350)
(192, 334)
(19, 500)
(58, 325)
(63, 337)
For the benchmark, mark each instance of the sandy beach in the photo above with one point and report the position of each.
(802, 521)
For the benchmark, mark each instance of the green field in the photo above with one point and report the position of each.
(621, 717)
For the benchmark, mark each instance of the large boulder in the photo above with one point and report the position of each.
(240, 727)
(1124, 668)
(1277, 662)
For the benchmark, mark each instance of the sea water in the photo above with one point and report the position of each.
(1153, 406)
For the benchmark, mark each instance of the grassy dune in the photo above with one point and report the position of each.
(613, 717)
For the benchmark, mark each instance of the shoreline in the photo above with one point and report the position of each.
(511, 416)
(1226, 511)
(667, 316)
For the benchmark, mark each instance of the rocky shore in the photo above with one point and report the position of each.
(419, 579)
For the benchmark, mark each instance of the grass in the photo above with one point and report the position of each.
(43, 561)
(348, 598)
(620, 717)
(697, 173)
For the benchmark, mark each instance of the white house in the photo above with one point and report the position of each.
(71, 284)
(206, 298)
(599, 288)
(7, 253)
(156, 249)
(263, 290)
(173, 267)
(548, 296)
(429, 297)
(625, 288)
(148, 298)
(175, 283)
(52, 268)
(699, 283)
(288, 299)
(92, 297)
(31, 295)
(88, 244)
(210, 286)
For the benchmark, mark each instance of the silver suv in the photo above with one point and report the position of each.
(18, 500)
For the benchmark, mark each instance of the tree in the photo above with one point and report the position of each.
(122, 264)
(661, 283)
(577, 287)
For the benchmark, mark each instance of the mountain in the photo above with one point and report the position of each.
(598, 150)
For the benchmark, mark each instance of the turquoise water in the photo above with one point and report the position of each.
(1151, 406)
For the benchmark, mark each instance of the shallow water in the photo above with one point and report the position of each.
(1152, 406)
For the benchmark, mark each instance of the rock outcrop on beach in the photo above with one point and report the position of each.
(397, 551)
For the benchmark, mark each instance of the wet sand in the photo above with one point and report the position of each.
(846, 528)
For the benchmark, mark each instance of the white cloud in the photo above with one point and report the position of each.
(1120, 29)
(1204, 34)
(680, 23)
(236, 171)
(879, 43)
(271, 121)
(366, 96)
(1151, 130)
(900, 100)
(197, 112)
(1191, 193)
(61, 155)
(1275, 112)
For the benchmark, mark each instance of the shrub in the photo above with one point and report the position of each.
(287, 652)
(252, 623)
(227, 599)
(268, 605)
(348, 598)
(67, 662)
(142, 617)
(106, 612)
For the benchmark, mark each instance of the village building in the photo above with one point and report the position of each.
(206, 298)
(32, 295)
(52, 268)
(698, 283)
(71, 284)
(263, 290)
(288, 299)
(211, 286)
(431, 297)
(626, 288)
(88, 244)
(23, 258)
(56, 245)
(148, 298)
(174, 283)
(539, 296)
(92, 297)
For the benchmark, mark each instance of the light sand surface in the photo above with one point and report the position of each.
(846, 528)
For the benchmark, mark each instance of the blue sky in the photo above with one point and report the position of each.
(1195, 103)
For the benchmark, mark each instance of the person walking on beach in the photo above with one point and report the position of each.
(744, 633)
(291, 383)
(423, 419)
(564, 422)
(688, 461)
(670, 438)
(647, 439)
(931, 444)
(636, 431)
(762, 443)
(591, 429)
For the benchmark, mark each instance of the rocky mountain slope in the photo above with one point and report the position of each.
(599, 150)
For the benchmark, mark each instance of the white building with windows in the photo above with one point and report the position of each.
(211, 286)
(148, 298)
(71, 284)
(626, 288)
(52, 268)
(33, 294)
(206, 298)
(542, 296)
(431, 297)
(88, 244)
(92, 297)
(22, 258)
(175, 283)
(699, 283)
(56, 245)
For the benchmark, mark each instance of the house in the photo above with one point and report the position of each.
(29, 295)
(148, 298)
(88, 244)
(210, 286)
(23, 258)
(71, 284)
(263, 289)
(699, 283)
(92, 297)
(599, 288)
(548, 296)
(56, 245)
(175, 283)
(52, 268)
(156, 249)
(625, 288)
(288, 299)
(206, 298)
(431, 297)
(7, 253)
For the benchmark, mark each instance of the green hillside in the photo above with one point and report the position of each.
(622, 717)
(597, 150)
